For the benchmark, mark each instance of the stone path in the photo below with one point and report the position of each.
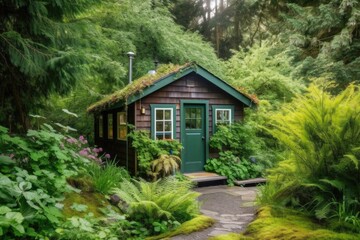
(232, 207)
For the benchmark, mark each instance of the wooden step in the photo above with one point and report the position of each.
(249, 181)
(206, 177)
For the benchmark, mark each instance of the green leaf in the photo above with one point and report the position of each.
(16, 216)
(79, 207)
(70, 113)
(4, 209)
(6, 160)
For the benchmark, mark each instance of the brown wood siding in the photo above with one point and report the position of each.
(200, 89)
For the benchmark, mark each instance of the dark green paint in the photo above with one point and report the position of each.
(195, 141)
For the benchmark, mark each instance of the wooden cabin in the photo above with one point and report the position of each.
(178, 102)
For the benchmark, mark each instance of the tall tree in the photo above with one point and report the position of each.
(37, 54)
(324, 37)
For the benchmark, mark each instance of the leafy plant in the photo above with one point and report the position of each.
(155, 156)
(322, 134)
(232, 167)
(163, 200)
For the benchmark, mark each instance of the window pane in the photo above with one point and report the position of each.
(110, 126)
(101, 128)
(167, 136)
(167, 114)
(167, 126)
(159, 126)
(159, 114)
(122, 132)
(198, 123)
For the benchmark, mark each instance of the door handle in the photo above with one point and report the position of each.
(203, 138)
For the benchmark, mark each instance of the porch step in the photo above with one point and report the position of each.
(249, 181)
(206, 178)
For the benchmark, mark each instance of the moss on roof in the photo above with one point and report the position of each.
(136, 86)
(145, 81)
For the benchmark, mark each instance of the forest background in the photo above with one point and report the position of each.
(62, 55)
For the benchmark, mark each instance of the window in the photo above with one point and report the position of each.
(222, 114)
(163, 121)
(110, 126)
(121, 126)
(101, 126)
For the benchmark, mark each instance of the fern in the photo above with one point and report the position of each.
(322, 136)
(164, 199)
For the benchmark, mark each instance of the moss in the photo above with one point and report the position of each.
(231, 236)
(147, 80)
(196, 224)
(94, 202)
(287, 224)
(137, 86)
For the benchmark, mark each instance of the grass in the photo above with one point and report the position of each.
(286, 224)
(105, 178)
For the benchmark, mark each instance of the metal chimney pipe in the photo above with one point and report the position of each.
(131, 57)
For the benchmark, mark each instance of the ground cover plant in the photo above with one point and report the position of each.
(321, 173)
(280, 223)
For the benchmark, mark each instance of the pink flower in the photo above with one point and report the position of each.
(107, 156)
(84, 152)
(71, 140)
(83, 140)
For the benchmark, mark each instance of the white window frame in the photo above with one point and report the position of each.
(155, 120)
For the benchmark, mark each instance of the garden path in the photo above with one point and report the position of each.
(232, 208)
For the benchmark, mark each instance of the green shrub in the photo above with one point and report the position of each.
(107, 176)
(149, 150)
(322, 135)
(167, 200)
(232, 167)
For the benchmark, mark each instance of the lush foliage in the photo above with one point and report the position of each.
(160, 205)
(231, 166)
(156, 157)
(240, 155)
(107, 176)
(321, 173)
(34, 171)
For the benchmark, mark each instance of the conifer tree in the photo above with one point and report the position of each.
(37, 54)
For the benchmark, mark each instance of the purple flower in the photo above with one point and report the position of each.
(107, 156)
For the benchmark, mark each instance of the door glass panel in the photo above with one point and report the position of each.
(193, 118)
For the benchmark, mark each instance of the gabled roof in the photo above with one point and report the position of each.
(165, 75)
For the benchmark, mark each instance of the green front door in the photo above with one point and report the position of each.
(194, 138)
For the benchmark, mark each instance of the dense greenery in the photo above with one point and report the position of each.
(61, 56)
(157, 158)
(161, 205)
(239, 152)
(321, 172)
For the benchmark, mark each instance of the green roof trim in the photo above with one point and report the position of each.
(165, 75)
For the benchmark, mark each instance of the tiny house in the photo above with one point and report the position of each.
(177, 102)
